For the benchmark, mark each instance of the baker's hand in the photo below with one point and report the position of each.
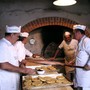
(72, 62)
(86, 67)
(36, 56)
(29, 71)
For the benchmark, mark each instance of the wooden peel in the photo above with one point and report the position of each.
(55, 59)
(46, 62)
(42, 58)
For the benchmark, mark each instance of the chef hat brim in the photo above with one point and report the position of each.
(81, 27)
(13, 29)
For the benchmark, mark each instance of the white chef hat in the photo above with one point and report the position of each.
(67, 33)
(13, 29)
(81, 27)
(24, 34)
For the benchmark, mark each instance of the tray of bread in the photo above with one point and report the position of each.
(31, 82)
(49, 69)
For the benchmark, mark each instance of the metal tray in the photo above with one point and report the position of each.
(65, 82)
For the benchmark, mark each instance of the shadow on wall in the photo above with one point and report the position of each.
(51, 49)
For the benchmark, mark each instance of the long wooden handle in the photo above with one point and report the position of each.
(74, 66)
(56, 59)
(46, 62)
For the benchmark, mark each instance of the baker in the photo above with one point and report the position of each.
(82, 75)
(9, 64)
(70, 46)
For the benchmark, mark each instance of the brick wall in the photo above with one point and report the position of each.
(46, 21)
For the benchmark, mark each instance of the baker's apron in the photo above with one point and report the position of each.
(68, 69)
(69, 56)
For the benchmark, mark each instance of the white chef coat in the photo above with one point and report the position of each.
(69, 50)
(22, 51)
(82, 77)
(8, 80)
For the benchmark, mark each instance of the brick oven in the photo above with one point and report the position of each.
(52, 32)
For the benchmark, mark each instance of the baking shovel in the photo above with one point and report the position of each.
(46, 62)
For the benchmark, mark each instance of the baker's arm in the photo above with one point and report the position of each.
(57, 51)
(9, 67)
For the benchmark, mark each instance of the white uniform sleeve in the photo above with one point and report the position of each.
(20, 50)
(28, 53)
